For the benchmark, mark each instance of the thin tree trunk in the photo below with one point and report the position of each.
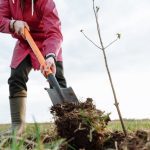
(108, 71)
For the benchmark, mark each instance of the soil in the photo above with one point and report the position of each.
(84, 128)
(82, 125)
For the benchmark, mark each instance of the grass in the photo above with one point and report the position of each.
(35, 135)
(30, 127)
(130, 124)
(42, 129)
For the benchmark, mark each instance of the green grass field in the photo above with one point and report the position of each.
(48, 129)
(130, 124)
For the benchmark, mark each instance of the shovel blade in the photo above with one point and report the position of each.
(68, 94)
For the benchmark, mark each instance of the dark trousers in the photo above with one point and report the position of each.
(19, 77)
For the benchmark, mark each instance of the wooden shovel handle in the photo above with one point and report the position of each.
(36, 50)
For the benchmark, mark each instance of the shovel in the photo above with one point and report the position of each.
(57, 95)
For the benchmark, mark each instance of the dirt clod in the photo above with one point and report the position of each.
(81, 125)
(84, 128)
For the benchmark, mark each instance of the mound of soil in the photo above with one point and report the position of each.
(84, 128)
(81, 125)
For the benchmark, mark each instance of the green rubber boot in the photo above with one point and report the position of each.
(18, 111)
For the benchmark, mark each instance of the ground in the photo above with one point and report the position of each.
(81, 127)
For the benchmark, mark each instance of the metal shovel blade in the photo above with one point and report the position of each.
(57, 94)
(68, 94)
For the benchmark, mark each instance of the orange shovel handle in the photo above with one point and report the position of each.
(36, 50)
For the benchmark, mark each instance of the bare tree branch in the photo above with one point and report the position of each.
(111, 43)
(118, 37)
(90, 39)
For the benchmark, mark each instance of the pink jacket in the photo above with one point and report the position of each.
(45, 28)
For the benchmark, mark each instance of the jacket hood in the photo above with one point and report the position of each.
(32, 6)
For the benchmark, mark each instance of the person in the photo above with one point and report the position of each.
(40, 17)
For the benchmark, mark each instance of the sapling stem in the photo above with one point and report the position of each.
(103, 48)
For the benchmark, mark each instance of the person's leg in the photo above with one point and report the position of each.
(60, 74)
(18, 93)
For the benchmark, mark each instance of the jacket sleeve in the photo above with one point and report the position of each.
(5, 16)
(52, 28)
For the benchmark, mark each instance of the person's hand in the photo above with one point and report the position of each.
(18, 27)
(50, 64)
